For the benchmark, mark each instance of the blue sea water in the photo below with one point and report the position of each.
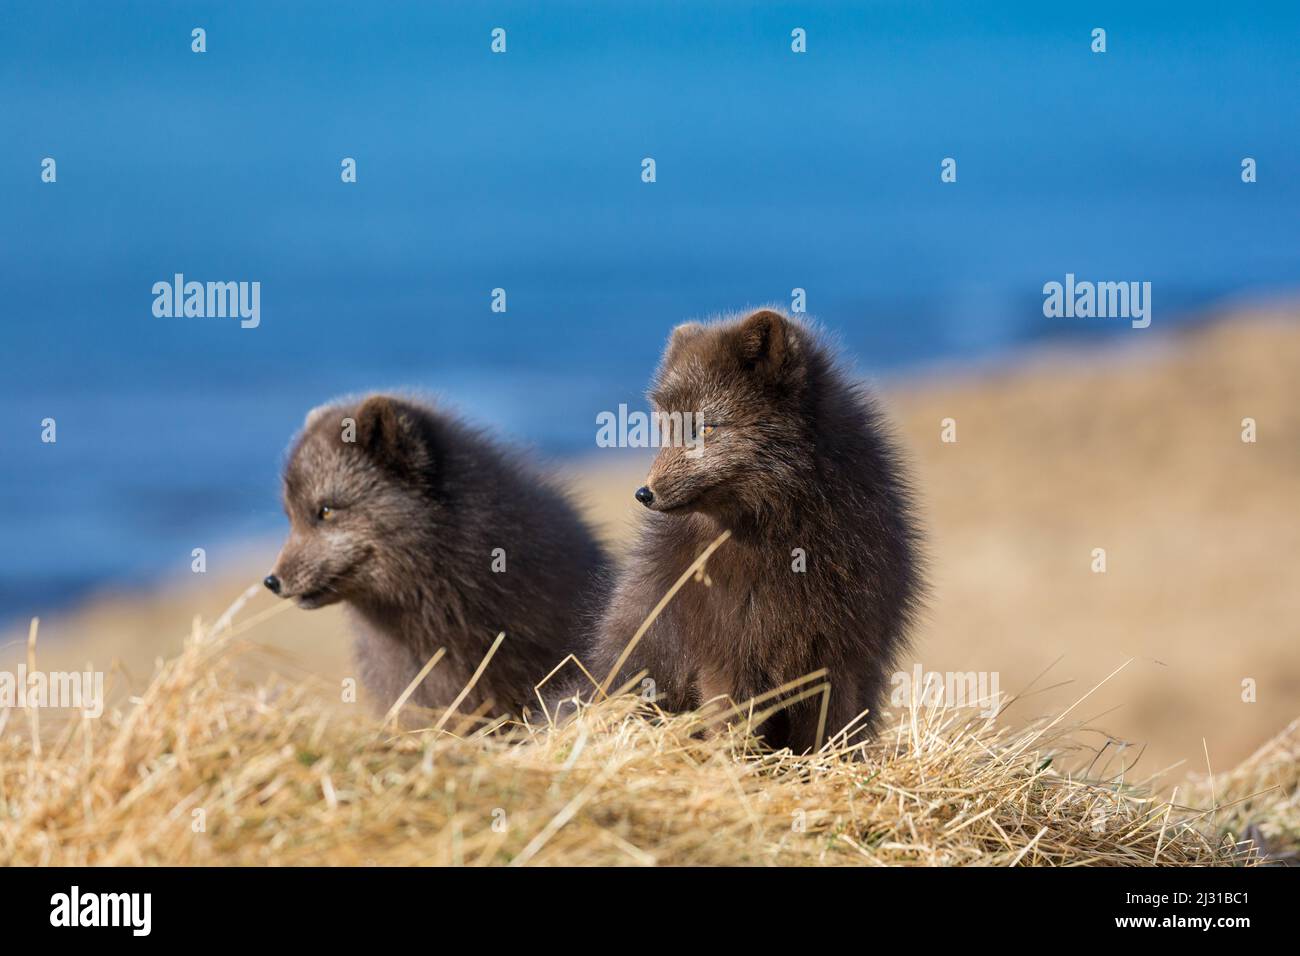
(523, 171)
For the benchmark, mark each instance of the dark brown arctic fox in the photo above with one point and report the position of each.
(821, 570)
(435, 537)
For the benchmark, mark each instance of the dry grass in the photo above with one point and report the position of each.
(279, 772)
(1260, 798)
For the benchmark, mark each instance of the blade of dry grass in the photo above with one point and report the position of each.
(696, 567)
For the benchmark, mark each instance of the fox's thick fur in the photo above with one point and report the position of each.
(796, 460)
(418, 504)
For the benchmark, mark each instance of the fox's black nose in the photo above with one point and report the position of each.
(272, 583)
(645, 496)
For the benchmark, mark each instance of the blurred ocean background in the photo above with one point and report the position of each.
(522, 171)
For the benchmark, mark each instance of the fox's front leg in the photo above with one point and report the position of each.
(717, 700)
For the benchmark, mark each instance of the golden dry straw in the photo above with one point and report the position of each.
(206, 766)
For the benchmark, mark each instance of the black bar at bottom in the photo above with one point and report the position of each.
(562, 907)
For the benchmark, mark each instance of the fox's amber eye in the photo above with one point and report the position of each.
(707, 430)
(325, 513)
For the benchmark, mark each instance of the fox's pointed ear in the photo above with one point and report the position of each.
(765, 340)
(386, 432)
(315, 415)
(680, 336)
(686, 331)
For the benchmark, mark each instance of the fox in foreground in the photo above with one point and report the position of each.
(822, 567)
(434, 537)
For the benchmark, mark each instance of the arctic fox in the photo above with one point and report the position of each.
(822, 568)
(434, 537)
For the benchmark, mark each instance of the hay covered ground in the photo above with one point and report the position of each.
(208, 767)
(1181, 656)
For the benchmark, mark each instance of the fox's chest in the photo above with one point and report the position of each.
(750, 609)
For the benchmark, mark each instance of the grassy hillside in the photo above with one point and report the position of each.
(209, 767)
